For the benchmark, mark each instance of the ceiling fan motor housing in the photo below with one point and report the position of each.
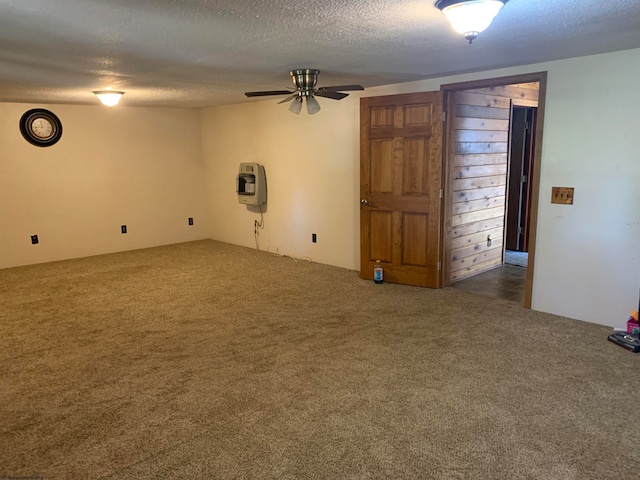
(305, 79)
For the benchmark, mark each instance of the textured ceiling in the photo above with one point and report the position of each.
(195, 53)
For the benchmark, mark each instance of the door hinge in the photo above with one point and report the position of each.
(526, 125)
(444, 116)
(519, 230)
(439, 265)
(441, 193)
(524, 179)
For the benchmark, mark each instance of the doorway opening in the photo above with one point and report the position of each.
(492, 163)
(520, 167)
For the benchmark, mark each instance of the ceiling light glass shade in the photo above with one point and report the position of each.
(470, 17)
(296, 106)
(312, 105)
(109, 98)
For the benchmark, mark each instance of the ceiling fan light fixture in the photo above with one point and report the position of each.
(305, 80)
(470, 17)
(110, 98)
(312, 105)
(296, 105)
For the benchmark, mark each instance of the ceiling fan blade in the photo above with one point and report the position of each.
(268, 92)
(332, 95)
(341, 88)
(288, 99)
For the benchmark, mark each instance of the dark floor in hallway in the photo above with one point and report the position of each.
(506, 282)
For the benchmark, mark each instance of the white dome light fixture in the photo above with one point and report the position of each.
(110, 98)
(470, 17)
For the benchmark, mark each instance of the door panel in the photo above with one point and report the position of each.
(400, 181)
(382, 117)
(414, 175)
(381, 169)
(381, 238)
(416, 227)
(419, 114)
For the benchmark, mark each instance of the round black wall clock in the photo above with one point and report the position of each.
(40, 127)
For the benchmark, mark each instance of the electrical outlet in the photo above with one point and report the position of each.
(562, 195)
(313, 237)
(123, 229)
(190, 220)
(34, 239)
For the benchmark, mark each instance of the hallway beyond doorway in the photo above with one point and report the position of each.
(507, 282)
(521, 259)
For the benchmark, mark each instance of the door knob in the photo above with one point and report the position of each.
(364, 201)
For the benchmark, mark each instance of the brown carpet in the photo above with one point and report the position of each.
(205, 360)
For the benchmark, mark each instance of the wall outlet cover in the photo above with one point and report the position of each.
(562, 195)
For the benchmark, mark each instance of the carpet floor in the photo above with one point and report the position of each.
(205, 360)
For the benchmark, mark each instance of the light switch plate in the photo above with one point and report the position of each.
(562, 195)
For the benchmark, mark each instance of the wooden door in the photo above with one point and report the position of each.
(400, 187)
(522, 140)
(527, 192)
(517, 178)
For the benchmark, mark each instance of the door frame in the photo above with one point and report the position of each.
(448, 146)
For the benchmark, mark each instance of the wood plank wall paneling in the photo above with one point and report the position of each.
(479, 174)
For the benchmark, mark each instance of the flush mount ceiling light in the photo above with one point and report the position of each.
(109, 98)
(470, 17)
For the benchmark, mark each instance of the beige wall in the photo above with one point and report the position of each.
(153, 168)
(134, 166)
(588, 254)
(312, 177)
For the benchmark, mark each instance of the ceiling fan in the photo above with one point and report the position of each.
(305, 80)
